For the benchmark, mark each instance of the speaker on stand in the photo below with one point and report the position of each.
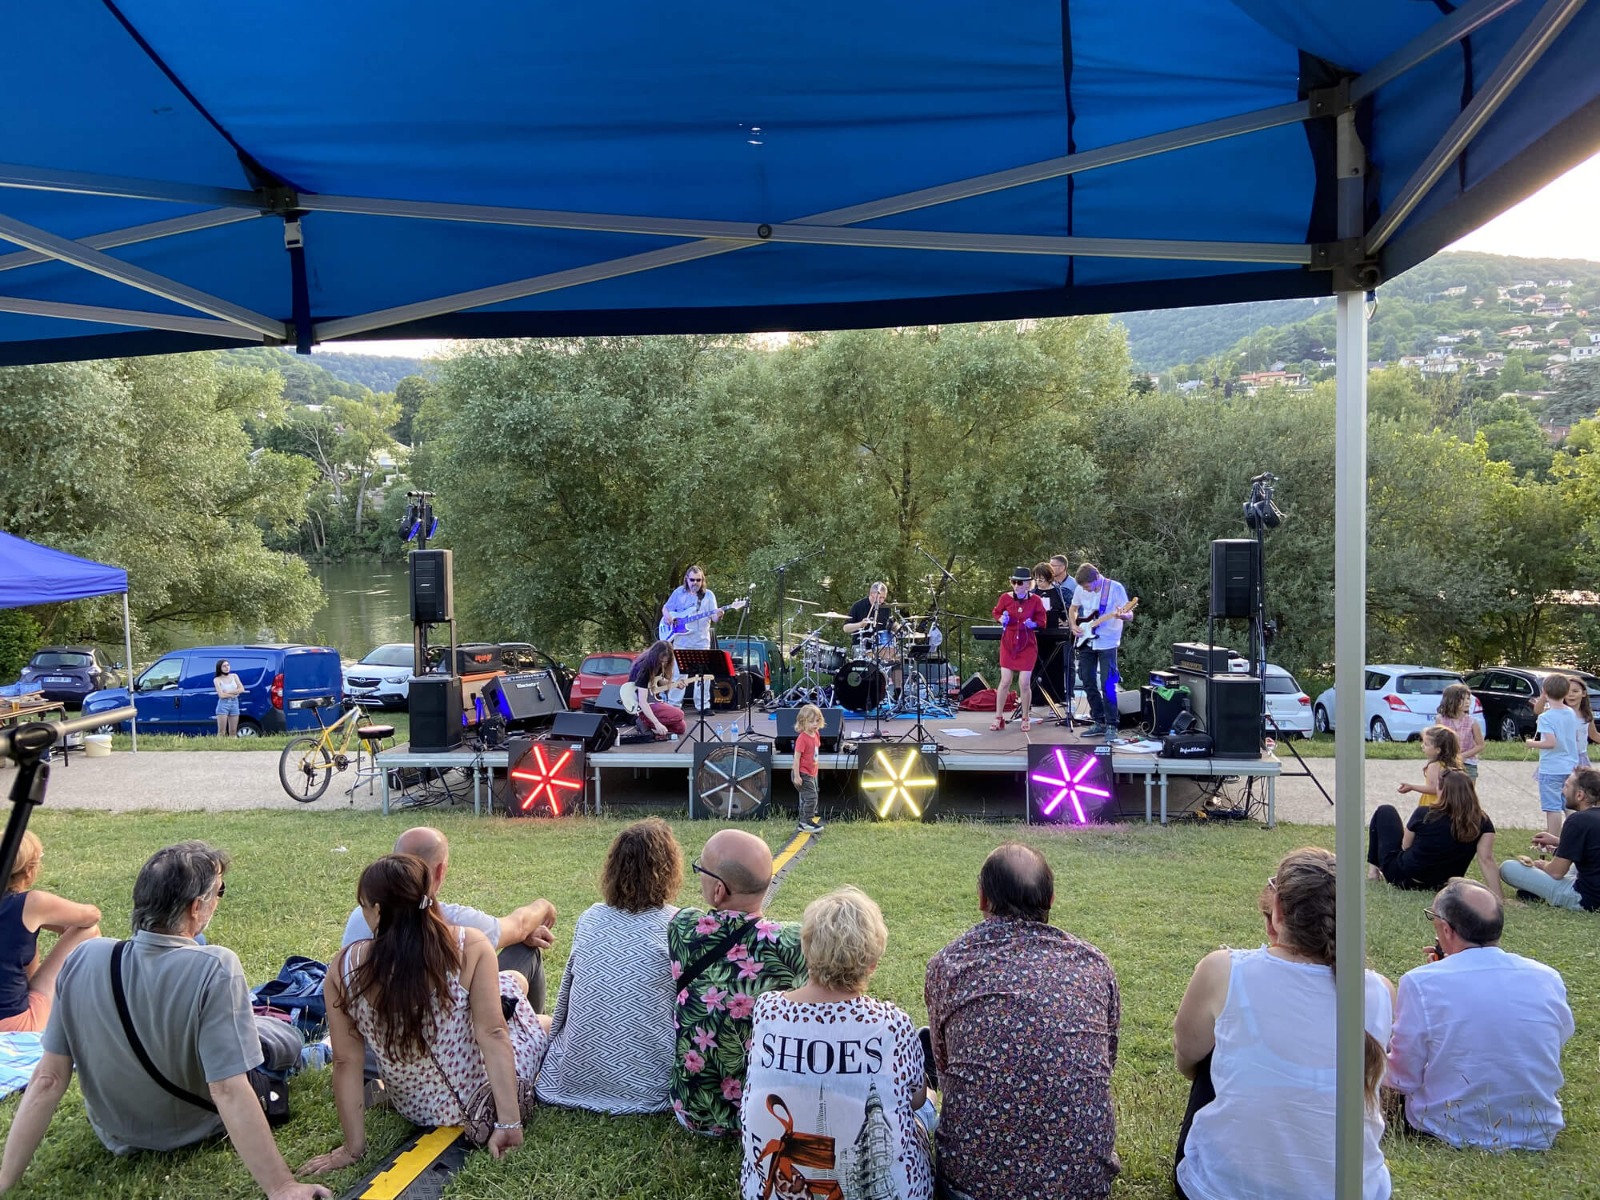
(1235, 577)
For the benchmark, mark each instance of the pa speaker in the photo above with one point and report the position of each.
(1233, 717)
(832, 727)
(433, 599)
(975, 683)
(435, 703)
(1235, 577)
(594, 729)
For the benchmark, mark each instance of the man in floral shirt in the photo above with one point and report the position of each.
(739, 954)
(1024, 1019)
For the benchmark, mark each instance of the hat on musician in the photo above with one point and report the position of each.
(1021, 575)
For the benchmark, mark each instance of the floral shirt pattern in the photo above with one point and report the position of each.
(1024, 1019)
(714, 1013)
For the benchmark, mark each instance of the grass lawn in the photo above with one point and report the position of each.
(274, 742)
(1154, 900)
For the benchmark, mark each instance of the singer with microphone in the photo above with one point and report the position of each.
(1020, 613)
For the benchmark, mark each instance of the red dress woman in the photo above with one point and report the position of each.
(1019, 612)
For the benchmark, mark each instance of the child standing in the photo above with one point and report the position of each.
(1444, 754)
(808, 739)
(1578, 702)
(1455, 714)
(1560, 744)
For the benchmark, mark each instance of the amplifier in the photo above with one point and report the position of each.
(1186, 745)
(523, 699)
(478, 658)
(1200, 658)
(1164, 679)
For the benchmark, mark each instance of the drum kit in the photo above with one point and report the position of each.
(879, 670)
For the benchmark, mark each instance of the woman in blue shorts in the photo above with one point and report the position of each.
(229, 689)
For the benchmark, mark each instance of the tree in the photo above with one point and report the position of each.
(411, 393)
(1577, 396)
(144, 463)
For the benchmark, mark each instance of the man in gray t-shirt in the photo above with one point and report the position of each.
(190, 1007)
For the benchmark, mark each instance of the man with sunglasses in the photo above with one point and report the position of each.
(724, 956)
(189, 1009)
(1478, 1032)
(696, 606)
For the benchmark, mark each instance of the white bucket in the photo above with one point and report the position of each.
(97, 745)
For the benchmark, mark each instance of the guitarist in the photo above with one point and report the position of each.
(1098, 598)
(692, 600)
(650, 672)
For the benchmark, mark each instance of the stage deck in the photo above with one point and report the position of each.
(964, 743)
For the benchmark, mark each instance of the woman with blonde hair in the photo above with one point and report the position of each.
(836, 1078)
(1255, 1032)
(612, 1040)
(27, 983)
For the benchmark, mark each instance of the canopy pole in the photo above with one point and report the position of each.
(1349, 656)
(127, 666)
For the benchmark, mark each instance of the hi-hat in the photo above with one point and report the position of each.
(834, 616)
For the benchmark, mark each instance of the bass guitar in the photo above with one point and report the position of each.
(1086, 628)
(671, 627)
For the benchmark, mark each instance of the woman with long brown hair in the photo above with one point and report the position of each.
(1255, 1032)
(441, 1020)
(1438, 843)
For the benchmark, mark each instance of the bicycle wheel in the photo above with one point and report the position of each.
(304, 769)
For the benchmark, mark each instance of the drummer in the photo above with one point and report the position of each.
(870, 617)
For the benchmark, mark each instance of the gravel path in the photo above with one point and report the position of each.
(220, 781)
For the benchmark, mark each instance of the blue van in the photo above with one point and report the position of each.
(175, 694)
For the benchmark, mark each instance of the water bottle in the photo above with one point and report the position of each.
(735, 731)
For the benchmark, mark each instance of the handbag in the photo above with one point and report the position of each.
(478, 1112)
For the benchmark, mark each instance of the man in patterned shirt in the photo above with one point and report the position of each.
(724, 956)
(1023, 1018)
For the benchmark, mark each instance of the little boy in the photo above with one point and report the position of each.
(1560, 743)
(808, 739)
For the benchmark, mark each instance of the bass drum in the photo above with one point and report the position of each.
(859, 686)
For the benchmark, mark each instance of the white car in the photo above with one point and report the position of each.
(1401, 701)
(383, 678)
(1288, 708)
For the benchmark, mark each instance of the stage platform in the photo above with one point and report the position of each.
(964, 742)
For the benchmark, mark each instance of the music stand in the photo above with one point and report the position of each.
(706, 664)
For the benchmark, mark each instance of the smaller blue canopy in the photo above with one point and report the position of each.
(34, 574)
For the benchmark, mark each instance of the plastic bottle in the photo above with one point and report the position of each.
(735, 731)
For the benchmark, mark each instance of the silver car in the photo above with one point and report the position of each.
(1401, 701)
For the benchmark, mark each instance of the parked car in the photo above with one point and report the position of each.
(597, 670)
(68, 673)
(176, 694)
(1401, 701)
(754, 655)
(383, 678)
(1287, 705)
(1507, 695)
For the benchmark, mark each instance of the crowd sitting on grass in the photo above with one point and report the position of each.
(747, 1027)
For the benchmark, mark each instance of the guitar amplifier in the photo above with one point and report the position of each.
(478, 658)
(1200, 658)
(526, 698)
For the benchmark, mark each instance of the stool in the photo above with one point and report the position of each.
(371, 739)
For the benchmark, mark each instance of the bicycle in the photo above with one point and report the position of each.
(307, 763)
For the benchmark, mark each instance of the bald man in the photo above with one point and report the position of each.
(724, 956)
(520, 936)
(1478, 1033)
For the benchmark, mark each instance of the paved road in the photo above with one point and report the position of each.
(230, 780)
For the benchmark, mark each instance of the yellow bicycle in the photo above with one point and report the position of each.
(308, 763)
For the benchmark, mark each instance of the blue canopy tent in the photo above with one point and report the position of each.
(182, 176)
(35, 574)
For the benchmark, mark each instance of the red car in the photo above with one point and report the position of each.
(597, 670)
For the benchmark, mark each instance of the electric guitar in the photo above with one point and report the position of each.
(1086, 629)
(632, 701)
(671, 627)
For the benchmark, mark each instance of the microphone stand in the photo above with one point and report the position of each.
(750, 696)
(782, 572)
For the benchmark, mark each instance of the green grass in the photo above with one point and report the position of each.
(266, 742)
(1321, 746)
(1154, 900)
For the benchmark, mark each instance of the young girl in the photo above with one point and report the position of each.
(1578, 702)
(1455, 714)
(1444, 754)
(27, 984)
(808, 739)
(1019, 612)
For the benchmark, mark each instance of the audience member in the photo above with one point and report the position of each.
(1572, 878)
(1255, 1032)
(1478, 1032)
(425, 996)
(723, 957)
(521, 936)
(611, 1042)
(1443, 753)
(1578, 701)
(1560, 743)
(1023, 1019)
(836, 1078)
(1437, 843)
(189, 1007)
(1455, 713)
(28, 985)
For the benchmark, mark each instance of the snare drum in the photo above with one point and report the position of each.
(859, 686)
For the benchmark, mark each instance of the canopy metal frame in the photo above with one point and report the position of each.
(221, 318)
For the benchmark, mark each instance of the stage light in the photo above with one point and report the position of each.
(898, 781)
(1068, 783)
(545, 779)
(732, 782)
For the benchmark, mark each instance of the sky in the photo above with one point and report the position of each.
(1560, 221)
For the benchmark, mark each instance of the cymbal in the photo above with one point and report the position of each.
(833, 616)
(917, 617)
